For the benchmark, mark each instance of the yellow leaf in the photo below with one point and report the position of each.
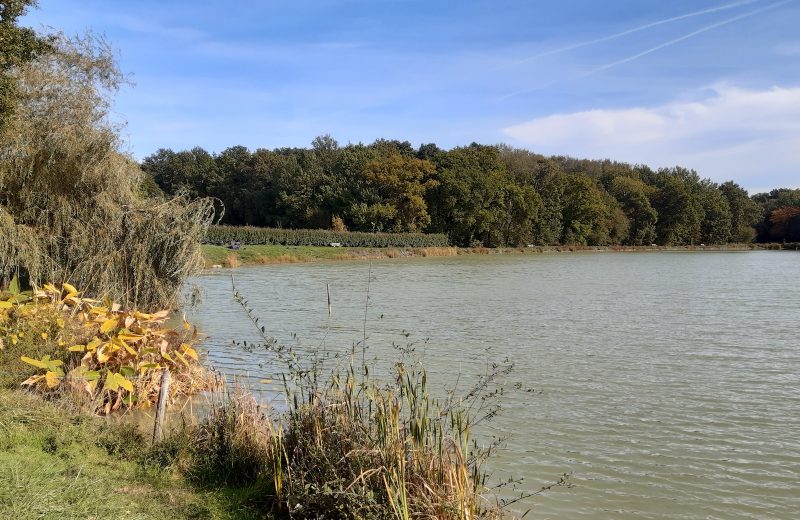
(189, 351)
(44, 336)
(34, 362)
(131, 351)
(52, 379)
(93, 344)
(186, 323)
(124, 382)
(102, 356)
(182, 358)
(51, 288)
(91, 386)
(69, 288)
(77, 348)
(6, 305)
(111, 382)
(108, 325)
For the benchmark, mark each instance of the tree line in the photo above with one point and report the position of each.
(478, 195)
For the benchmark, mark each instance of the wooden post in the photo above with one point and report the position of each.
(330, 308)
(161, 410)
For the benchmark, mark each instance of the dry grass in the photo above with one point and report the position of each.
(435, 251)
(352, 448)
(232, 260)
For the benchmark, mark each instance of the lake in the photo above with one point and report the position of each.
(666, 384)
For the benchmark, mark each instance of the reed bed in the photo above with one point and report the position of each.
(346, 445)
(436, 251)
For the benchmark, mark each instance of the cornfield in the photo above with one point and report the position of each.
(250, 235)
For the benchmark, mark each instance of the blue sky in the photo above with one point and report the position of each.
(712, 85)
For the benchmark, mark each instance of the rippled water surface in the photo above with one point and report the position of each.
(667, 384)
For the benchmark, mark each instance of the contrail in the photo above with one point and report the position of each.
(658, 47)
(686, 37)
(631, 31)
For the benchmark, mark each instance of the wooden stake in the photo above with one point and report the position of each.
(330, 308)
(161, 411)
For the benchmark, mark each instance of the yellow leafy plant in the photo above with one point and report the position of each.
(115, 356)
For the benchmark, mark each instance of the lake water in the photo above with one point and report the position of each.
(666, 384)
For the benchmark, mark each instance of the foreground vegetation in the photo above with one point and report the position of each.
(346, 446)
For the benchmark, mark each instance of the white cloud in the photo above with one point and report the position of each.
(751, 136)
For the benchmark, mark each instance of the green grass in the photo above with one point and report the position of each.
(55, 464)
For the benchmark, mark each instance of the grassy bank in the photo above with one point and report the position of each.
(278, 254)
(57, 464)
(346, 446)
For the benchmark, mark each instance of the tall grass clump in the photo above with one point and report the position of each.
(221, 235)
(347, 445)
(71, 207)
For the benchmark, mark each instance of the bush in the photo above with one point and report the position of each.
(60, 342)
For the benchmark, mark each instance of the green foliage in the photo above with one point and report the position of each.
(476, 195)
(469, 199)
(745, 213)
(221, 235)
(716, 227)
(634, 197)
(679, 208)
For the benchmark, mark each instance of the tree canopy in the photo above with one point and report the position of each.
(476, 194)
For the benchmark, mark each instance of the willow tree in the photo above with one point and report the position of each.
(71, 207)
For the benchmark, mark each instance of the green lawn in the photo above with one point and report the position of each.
(60, 465)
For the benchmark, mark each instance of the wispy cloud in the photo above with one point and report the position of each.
(656, 48)
(733, 133)
(639, 28)
(692, 34)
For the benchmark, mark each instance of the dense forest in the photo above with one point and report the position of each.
(476, 194)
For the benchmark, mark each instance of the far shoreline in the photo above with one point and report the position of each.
(221, 257)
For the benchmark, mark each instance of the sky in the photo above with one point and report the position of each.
(712, 85)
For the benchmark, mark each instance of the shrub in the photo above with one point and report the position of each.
(111, 356)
